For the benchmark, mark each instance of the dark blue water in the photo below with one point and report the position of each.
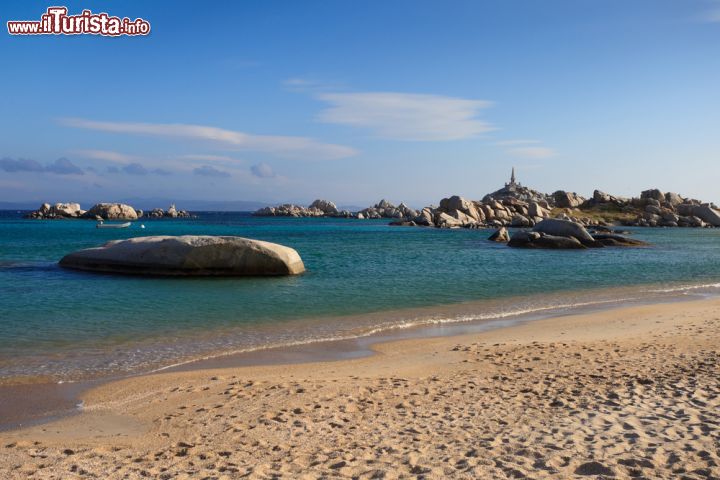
(362, 275)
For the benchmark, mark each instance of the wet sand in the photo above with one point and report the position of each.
(626, 393)
(34, 403)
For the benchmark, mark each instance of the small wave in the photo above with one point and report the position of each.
(449, 319)
(416, 323)
(685, 288)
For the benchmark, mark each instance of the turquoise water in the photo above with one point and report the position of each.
(362, 276)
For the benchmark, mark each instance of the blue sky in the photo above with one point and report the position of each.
(356, 101)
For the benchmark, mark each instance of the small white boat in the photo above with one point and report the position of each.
(112, 225)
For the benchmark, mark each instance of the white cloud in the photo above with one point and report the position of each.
(532, 152)
(513, 143)
(292, 147)
(404, 116)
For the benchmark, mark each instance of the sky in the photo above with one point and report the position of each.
(354, 101)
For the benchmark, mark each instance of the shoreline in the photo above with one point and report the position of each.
(59, 400)
(306, 332)
(494, 385)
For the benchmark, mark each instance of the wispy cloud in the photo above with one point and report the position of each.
(107, 155)
(297, 82)
(404, 116)
(285, 146)
(532, 152)
(526, 148)
(262, 170)
(208, 158)
(712, 14)
(514, 143)
(209, 171)
(310, 85)
(61, 166)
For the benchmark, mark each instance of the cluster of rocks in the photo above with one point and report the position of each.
(555, 233)
(458, 212)
(672, 210)
(652, 209)
(59, 210)
(385, 209)
(171, 212)
(516, 191)
(102, 211)
(318, 208)
(522, 207)
(325, 208)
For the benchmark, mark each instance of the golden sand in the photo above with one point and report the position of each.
(625, 393)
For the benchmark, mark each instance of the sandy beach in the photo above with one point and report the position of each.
(632, 392)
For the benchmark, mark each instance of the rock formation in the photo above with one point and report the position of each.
(325, 208)
(500, 235)
(172, 212)
(521, 207)
(188, 255)
(614, 240)
(514, 205)
(111, 211)
(102, 211)
(385, 209)
(564, 228)
(564, 234)
(318, 208)
(59, 210)
(565, 199)
(516, 191)
(526, 239)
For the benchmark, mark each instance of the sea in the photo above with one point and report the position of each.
(364, 278)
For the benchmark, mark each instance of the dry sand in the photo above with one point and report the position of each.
(625, 393)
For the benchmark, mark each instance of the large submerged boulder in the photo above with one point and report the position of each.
(525, 239)
(188, 255)
(556, 233)
(614, 240)
(564, 228)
